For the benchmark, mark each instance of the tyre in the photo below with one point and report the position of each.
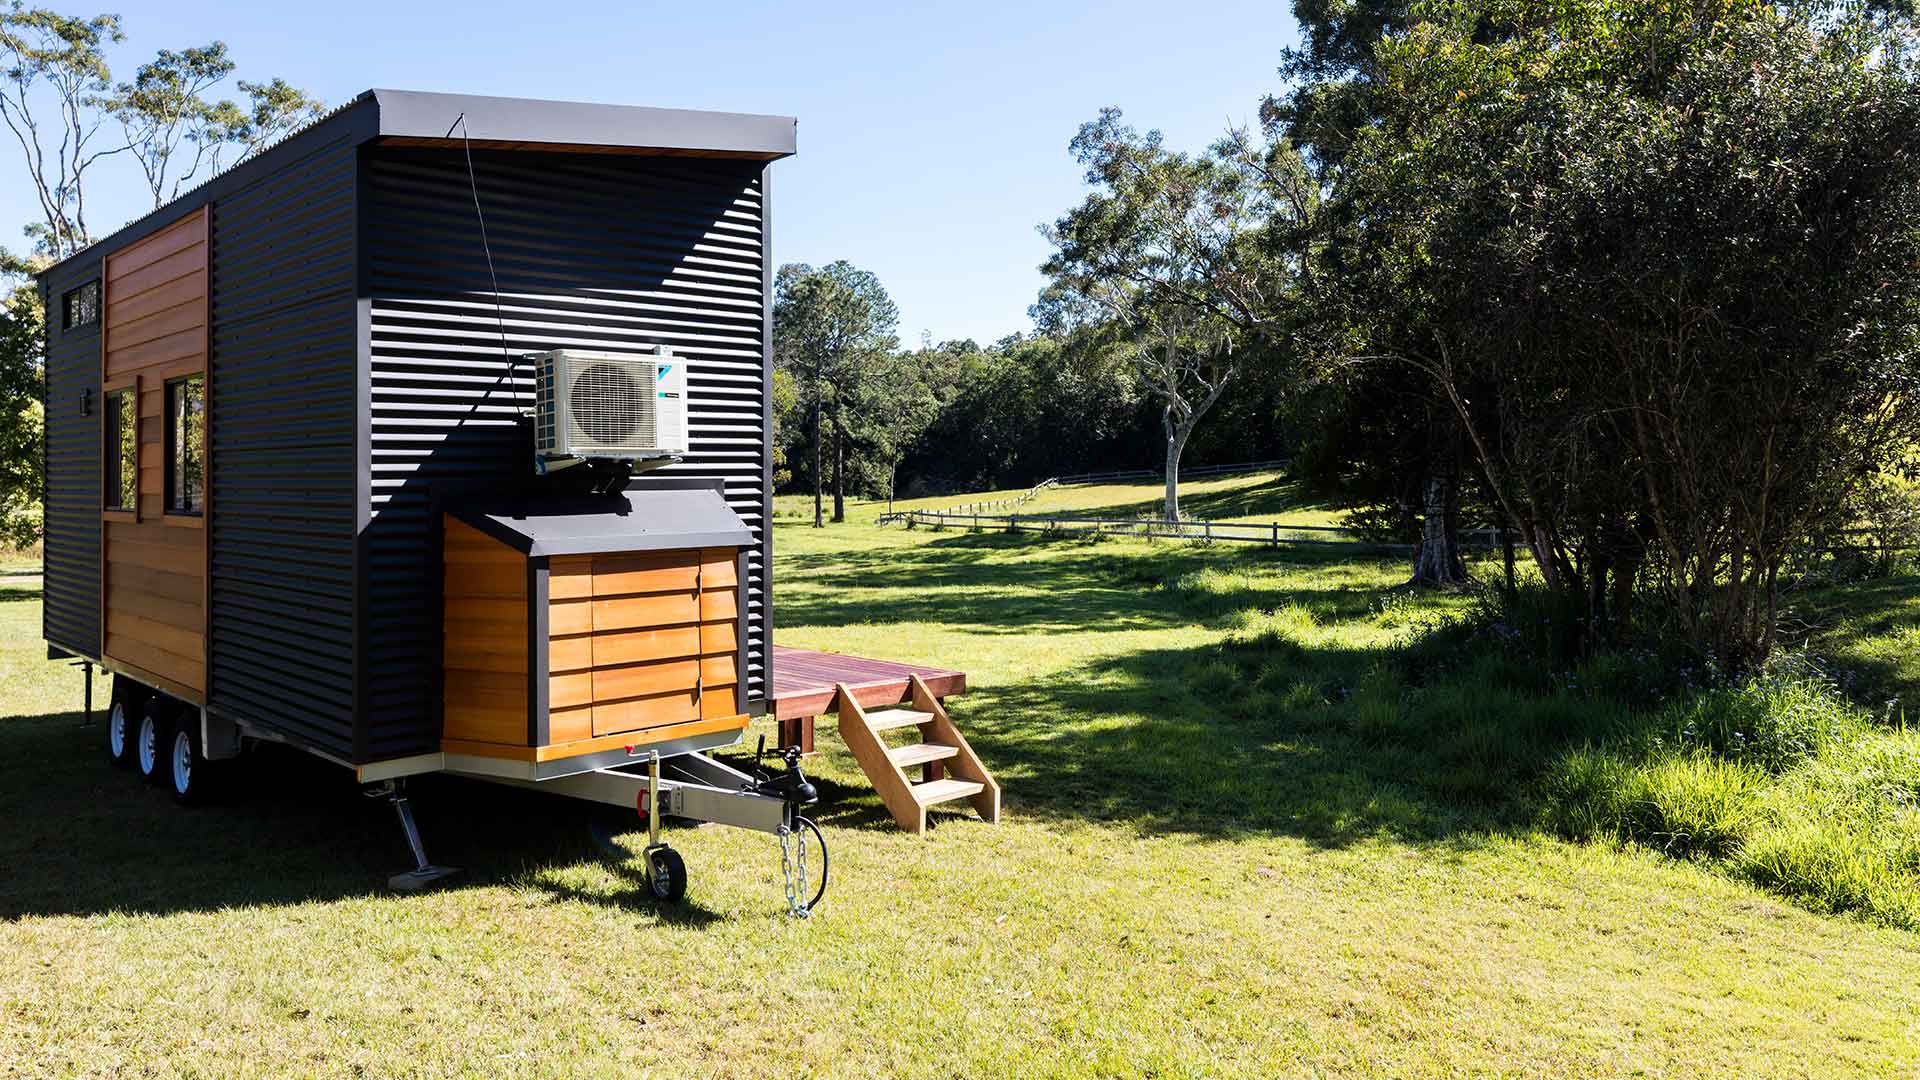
(666, 875)
(151, 741)
(190, 776)
(120, 733)
(123, 720)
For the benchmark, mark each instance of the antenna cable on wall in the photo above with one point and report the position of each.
(473, 186)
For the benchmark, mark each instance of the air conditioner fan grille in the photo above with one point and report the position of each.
(612, 404)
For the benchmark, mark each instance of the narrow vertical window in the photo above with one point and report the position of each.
(186, 441)
(121, 485)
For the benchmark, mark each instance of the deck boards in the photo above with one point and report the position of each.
(803, 681)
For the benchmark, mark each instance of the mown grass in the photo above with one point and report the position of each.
(1253, 829)
(1265, 496)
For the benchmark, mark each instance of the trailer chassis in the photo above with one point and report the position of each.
(675, 778)
(688, 785)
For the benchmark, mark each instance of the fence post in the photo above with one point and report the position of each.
(1276, 534)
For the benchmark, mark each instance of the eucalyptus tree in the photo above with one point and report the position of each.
(1175, 253)
(178, 134)
(53, 68)
(831, 325)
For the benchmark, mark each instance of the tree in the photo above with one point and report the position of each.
(51, 70)
(21, 418)
(897, 404)
(786, 405)
(829, 325)
(1664, 267)
(1175, 252)
(167, 108)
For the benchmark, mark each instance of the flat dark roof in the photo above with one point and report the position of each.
(645, 519)
(409, 115)
(417, 118)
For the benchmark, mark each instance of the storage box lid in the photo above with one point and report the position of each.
(648, 519)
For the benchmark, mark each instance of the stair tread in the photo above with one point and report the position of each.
(934, 791)
(921, 753)
(888, 719)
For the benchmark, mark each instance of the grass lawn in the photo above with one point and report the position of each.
(1257, 496)
(1199, 874)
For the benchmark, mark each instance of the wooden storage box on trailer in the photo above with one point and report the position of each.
(312, 374)
(583, 628)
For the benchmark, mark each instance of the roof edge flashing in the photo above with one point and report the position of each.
(411, 114)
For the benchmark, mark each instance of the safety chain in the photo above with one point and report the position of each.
(794, 884)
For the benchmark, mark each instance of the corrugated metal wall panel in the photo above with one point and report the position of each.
(283, 409)
(593, 252)
(71, 616)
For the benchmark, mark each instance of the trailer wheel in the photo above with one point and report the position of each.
(151, 742)
(123, 720)
(189, 773)
(120, 735)
(666, 874)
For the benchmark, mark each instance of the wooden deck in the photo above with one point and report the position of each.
(804, 680)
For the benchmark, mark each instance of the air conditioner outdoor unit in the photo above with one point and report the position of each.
(618, 406)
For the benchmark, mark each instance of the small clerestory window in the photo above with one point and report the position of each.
(80, 306)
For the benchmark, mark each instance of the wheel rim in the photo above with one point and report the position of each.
(662, 877)
(117, 732)
(149, 746)
(182, 762)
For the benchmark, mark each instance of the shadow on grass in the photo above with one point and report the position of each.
(1291, 725)
(1847, 623)
(84, 837)
(1080, 584)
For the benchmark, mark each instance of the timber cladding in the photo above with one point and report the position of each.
(485, 661)
(639, 646)
(643, 640)
(154, 562)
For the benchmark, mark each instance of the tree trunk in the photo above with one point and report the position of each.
(839, 470)
(1437, 562)
(1176, 446)
(817, 474)
(1506, 555)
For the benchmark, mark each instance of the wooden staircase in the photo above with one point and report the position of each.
(940, 750)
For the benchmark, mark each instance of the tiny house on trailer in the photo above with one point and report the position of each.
(437, 437)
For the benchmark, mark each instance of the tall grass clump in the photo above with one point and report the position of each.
(1779, 780)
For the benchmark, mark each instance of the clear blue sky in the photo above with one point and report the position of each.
(932, 136)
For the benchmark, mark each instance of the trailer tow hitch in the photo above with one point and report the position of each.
(793, 789)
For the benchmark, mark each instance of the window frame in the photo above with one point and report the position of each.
(170, 465)
(67, 322)
(109, 391)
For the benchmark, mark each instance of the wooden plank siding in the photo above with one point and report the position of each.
(642, 642)
(640, 648)
(154, 564)
(484, 662)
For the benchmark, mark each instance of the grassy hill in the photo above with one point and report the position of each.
(1252, 829)
(1263, 496)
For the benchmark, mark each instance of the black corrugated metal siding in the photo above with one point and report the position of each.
(284, 415)
(71, 617)
(593, 251)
